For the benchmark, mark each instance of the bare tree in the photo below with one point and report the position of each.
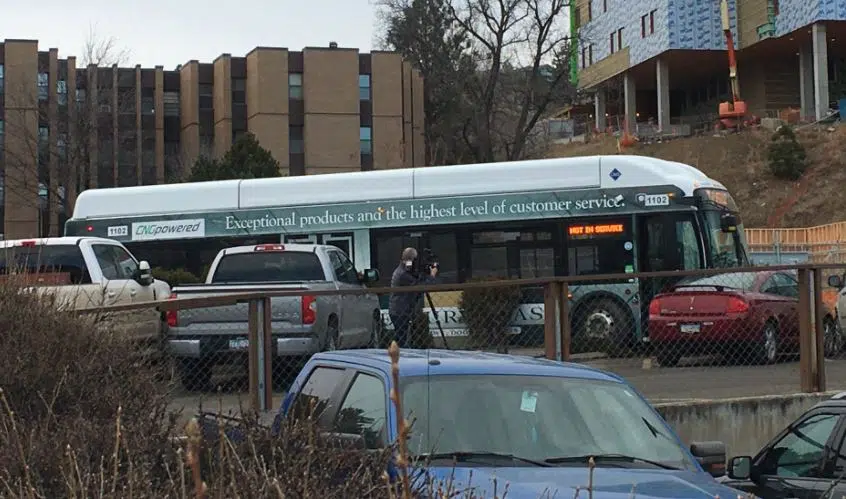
(56, 132)
(425, 33)
(493, 70)
(521, 49)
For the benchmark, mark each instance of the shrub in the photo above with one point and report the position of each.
(175, 277)
(80, 417)
(785, 155)
(487, 312)
(67, 381)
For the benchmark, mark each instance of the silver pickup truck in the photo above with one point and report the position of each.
(200, 338)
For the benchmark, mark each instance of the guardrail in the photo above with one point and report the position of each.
(561, 318)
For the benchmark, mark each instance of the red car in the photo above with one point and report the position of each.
(746, 316)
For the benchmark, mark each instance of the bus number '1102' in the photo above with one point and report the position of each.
(654, 199)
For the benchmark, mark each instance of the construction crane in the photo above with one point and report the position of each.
(732, 114)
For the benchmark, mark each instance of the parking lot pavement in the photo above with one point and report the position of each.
(704, 381)
(691, 381)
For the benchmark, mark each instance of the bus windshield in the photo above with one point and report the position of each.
(727, 249)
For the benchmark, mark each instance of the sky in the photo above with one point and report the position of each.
(168, 33)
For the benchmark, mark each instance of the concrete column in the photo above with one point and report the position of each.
(820, 54)
(806, 81)
(599, 99)
(630, 102)
(662, 79)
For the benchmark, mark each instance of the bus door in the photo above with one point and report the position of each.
(667, 241)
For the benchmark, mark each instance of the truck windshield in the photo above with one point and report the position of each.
(269, 266)
(53, 258)
(535, 417)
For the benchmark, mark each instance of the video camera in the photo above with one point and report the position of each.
(425, 262)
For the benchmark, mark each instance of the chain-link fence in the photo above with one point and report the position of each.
(674, 335)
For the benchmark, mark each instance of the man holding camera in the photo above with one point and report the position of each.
(403, 306)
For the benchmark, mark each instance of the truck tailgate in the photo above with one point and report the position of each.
(285, 311)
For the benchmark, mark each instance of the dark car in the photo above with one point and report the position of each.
(752, 316)
(806, 460)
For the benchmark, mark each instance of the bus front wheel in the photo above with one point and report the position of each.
(604, 326)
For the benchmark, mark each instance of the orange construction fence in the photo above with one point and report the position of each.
(823, 243)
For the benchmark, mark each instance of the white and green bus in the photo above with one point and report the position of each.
(554, 217)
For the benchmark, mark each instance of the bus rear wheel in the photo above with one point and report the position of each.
(604, 326)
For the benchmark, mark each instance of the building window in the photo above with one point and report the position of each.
(2, 78)
(643, 25)
(584, 57)
(295, 86)
(296, 140)
(43, 145)
(62, 146)
(171, 103)
(62, 92)
(578, 19)
(148, 101)
(589, 11)
(652, 22)
(43, 86)
(80, 98)
(206, 96)
(366, 139)
(590, 55)
(604, 5)
(620, 39)
(239, 91)
(612, 38)
(363, 87)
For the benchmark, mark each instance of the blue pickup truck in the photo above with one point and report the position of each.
(532, 423)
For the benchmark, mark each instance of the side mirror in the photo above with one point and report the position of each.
(370, 275)
(711, 456)
(740, 468)
(344, 441)
(835, 282)
(728, 223)
(145, 274)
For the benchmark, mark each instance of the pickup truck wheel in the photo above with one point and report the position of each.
(376, 330)
(195, 376)
(332, 342)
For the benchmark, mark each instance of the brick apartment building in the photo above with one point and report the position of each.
(664, 59)
(64, 129)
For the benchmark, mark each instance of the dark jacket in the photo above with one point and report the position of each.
(402, 305)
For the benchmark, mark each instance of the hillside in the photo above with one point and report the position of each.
(739, 162)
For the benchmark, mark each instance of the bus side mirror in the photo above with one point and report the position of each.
(728, 223)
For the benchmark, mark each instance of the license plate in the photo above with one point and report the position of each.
(239, 344)
(690, 328)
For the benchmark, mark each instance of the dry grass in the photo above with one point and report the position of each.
(739, 162)
(80, 417)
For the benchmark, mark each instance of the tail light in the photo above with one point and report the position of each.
(309, 309)
(655, 307)
(269, 247)
(737, 305)
(172, 316)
